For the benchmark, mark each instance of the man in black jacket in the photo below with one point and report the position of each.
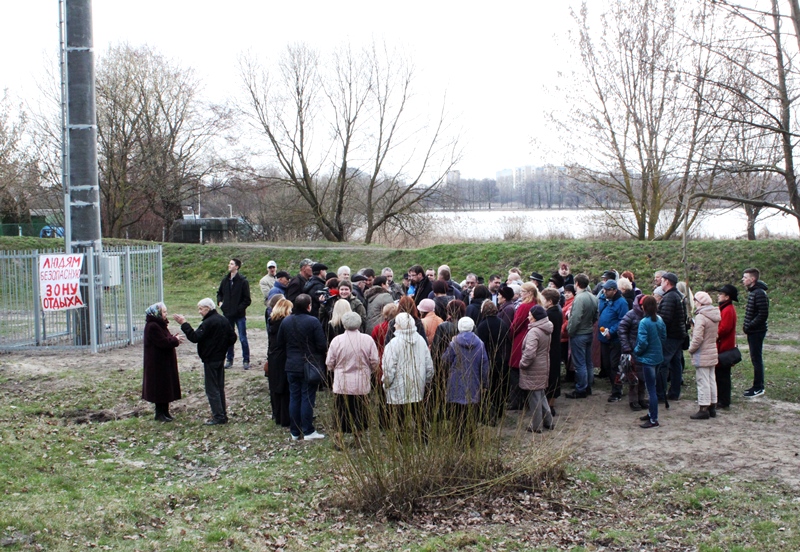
(674, 316)
(233, 297)
(213, 337)
(315, 285)
(755, 327)
(422, 286)
(298, 283)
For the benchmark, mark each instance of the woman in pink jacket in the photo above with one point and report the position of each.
(352, 357)
(534, 367)
(703, 350)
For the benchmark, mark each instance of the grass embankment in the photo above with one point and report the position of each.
(131, 484)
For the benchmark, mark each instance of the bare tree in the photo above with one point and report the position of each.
(342, 133)
(19, 175)
(765, 101)
(642, 142)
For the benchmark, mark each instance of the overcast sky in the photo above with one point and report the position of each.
(493, 62)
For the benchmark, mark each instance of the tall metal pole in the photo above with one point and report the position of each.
(62, 39)
(82, 127)
(81, 161)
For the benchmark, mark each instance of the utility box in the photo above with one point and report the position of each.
(111, 270)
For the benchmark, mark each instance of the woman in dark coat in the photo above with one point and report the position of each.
(494, 334)
(276, 358)
(160, 384)
(556, 316)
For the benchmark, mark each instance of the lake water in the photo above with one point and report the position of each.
(554, 223)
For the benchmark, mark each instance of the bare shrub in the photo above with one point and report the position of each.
(395, 474)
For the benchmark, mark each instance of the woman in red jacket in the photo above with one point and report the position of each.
(726, 340)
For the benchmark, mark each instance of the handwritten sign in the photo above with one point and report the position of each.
(59, 281)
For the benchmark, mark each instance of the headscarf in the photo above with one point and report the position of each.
(155, 310)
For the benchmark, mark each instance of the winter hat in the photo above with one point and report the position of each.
(538, 312)
(659, 291)
(507, 293)
(466, 324)
(536, 277)
(557, 279)
(730, 291)
(702, 298)
(427, 305)
(403, 321)
(351, 321)
(610, 275)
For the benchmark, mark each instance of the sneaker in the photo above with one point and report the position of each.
(314, 435)
(635, 406)
(295, 437)
(753, 392)
(644, 418)
(648, 424)
(215, 421)
(228, 364)
(614, 398)
(246, 365)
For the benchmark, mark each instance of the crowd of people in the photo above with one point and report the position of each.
(429, 347)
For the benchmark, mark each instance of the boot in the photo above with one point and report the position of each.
(712, 411)
(160, 416)
(701, 414)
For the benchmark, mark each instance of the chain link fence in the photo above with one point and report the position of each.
(124, 282)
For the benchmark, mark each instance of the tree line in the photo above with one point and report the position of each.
(674, 106)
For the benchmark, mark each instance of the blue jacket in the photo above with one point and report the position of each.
(469, 368)
(277, 288)
(610, 314)
(649, 341)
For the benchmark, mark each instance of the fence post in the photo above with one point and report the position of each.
(160, 276)
(128, 298)
(92, 301)
(37, 307)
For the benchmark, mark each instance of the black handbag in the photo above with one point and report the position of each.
(731, 357)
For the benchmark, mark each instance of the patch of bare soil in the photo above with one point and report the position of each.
(754, 440)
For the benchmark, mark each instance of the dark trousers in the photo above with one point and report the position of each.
(280, 407)
(516, 396)
(302, 397)
(408, 421)
(214, 372)
(464, 420)
(756, 343)
(609, 362)
(723, 375)
(673, 352)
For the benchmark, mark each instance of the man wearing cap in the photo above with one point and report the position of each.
(538, 278)
(673, 314)
(281, 283)
(233, 296)
(726, 340)
(298, 283)
(756, 313)
(315, 285)
(268, 280)
(611, 309)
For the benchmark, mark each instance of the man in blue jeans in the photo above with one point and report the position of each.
(233, 297)
(755, 327)
(582, 317)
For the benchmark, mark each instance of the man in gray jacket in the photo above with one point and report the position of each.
(579, 327)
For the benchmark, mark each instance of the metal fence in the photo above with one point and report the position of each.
(125, 281)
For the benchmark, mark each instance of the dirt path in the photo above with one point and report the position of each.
(753, 440)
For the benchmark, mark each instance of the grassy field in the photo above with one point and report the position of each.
(84, 466)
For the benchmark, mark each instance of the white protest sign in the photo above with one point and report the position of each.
(59, 281)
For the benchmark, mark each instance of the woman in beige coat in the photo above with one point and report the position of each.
(534, 367)
(703, 350)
